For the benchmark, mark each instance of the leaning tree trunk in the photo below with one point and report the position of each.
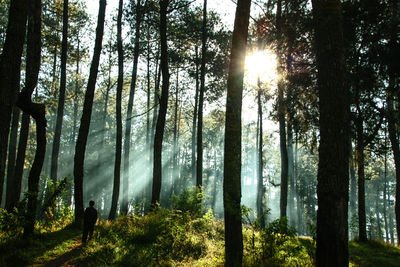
(61, 99)
(199, 164)
(37, 111)
(80, 147)
(233, 132)
(334, 107)
(118, 147)
(159, 134)
(10, 64)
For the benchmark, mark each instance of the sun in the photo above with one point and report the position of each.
(262, 64)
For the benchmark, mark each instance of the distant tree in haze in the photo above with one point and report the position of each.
(233, 135)
(80, 148)
(159, 134)
(61, 99)
(138, 10)
(118, 147)
(334, 107)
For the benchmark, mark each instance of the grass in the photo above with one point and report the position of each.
(374, 253)
(174, 238)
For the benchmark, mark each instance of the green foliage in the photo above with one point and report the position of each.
(277, 246)
(189, 201)
(281, 226)
(174, 238)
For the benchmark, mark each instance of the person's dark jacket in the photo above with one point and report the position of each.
(90, 217)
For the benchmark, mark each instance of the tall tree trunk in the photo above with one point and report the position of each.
(299, 200)
(195, 111)
(156, 97)
(362, 221)
(281, 117)
(395, 148)
(199, 165)
(75, 121)
(61, 99)
(334, 107)
(233, 133)
(392, 90)
(10, 64)
(118, 111)
(377, 211)
(384, 194)
(391, 227)
(19, 163)
(127, 144)
(260, 164)
(175, 173)
(37, 111)
(353, 183)
(148, 97)
(47, 168)
(12, 152)
(292, 217)
(80, 147)
(159, 134)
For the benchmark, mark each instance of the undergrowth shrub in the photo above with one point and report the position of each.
(190, 200)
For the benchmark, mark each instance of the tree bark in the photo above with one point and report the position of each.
(199, 165)
(233, 131)
(353, 183)
(159, 134)
(61, 100)
(10, 64)
(334, 107)
(281, 117)
(362, 220)
(80, 147)
(292, 218)
(260, 164)
(393, 137)
(37, 111)
(384, 194)
(12, 152)
(19, 163)
(195, 112)
(175, 173)
(392, 90)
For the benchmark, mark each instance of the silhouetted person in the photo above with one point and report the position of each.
(89, 220)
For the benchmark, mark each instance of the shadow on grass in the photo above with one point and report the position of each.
(39, 249)
(66, 259)
(374, 253)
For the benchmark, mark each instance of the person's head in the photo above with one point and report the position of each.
(91, 203)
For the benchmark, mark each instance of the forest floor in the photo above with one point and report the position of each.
(171, 238)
